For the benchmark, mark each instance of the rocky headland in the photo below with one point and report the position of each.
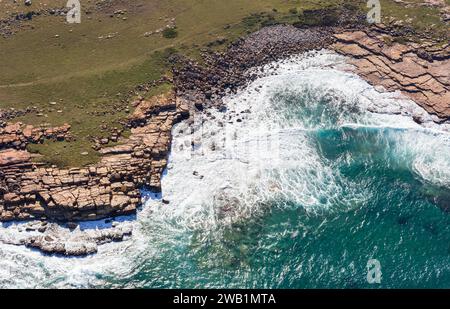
(111, 187)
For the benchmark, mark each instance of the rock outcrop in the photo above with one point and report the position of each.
(18, 135)
(419, 71)
(70, 239)
(106, 189)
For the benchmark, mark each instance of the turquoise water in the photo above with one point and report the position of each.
(402, 223)
(344, 175)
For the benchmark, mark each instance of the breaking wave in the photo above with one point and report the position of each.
(283, 188)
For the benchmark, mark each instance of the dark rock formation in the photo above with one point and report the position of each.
(206, 84)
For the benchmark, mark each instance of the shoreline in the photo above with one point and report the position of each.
(117, 189)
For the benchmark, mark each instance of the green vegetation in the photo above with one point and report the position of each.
(170, 33)
(89, 69)
(424, 20)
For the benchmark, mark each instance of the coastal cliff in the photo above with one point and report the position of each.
(109, 188)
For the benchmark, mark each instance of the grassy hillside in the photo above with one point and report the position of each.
(89, 68)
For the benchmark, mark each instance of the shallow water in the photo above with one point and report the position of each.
(308, 174)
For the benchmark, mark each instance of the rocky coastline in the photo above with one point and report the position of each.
(112, 187)
(421, 72)
(106, 189)
(29, 191)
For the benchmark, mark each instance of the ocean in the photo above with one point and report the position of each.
(307, 176)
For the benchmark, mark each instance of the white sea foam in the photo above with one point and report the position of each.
(256, 155)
